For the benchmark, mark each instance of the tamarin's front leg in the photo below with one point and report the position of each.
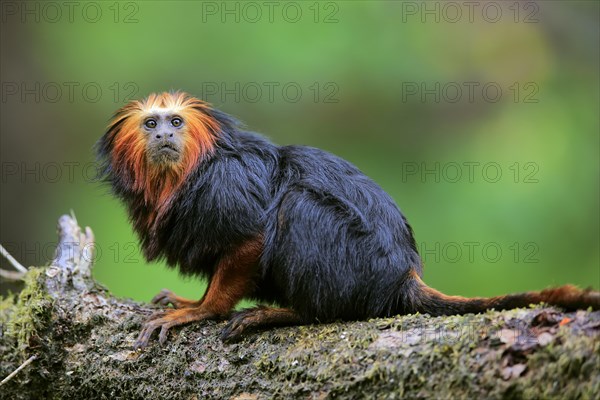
(232, 280)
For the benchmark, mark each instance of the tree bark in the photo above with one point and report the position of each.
(78, 339)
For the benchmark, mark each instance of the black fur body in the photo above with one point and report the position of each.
(336, 246)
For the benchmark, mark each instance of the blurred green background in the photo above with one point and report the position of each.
(383, 84)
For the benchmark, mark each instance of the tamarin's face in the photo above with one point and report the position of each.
(164, 132)
(152, 144)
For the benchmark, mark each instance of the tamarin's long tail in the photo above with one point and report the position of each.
(433, 302)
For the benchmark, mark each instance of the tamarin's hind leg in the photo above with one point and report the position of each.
(259, 317)
(166, 297)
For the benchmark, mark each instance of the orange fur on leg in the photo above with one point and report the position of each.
(232, 280)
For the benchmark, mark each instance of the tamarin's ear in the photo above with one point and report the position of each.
(201, 131)
(105, 145)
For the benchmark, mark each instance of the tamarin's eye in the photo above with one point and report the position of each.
(176, 122)
(150, 123)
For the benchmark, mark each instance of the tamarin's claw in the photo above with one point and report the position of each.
(157, 320)
(166, 297)
(162, 298)
(237, 325)
(253, 318)
(167, 319)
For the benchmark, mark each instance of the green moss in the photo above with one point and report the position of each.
(7, 306)
(32, 311)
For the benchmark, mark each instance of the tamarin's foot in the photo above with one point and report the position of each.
(166, 297)
(253, 318)
(167, 319)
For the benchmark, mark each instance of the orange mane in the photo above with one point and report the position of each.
(159, 183)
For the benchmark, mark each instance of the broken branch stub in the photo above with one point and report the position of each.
(71, 268)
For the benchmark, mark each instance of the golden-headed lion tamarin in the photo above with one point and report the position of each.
(291, 225)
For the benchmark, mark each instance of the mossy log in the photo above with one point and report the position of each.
(78, 340)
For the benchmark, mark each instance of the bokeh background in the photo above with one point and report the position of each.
(501, 188)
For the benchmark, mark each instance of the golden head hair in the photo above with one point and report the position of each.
(130, 144)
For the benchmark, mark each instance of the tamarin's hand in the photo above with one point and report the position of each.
(292, 225)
